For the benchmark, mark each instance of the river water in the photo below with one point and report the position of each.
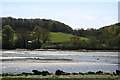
(81, 61)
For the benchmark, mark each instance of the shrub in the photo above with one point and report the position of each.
(99, 72)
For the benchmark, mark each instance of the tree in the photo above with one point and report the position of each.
(8, 35)
(45, 36)
(74, 43)
(37, 33)
(74, 39)
(93, 43)
(41, 35)
(23, 36)
(114, 43)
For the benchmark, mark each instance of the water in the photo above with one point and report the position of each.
(82, 61)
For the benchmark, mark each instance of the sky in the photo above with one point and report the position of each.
(75, 14)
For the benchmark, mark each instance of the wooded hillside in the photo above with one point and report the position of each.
(39, 31)
(29, 24)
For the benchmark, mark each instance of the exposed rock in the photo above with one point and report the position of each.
(36, 72)
(45, 73)
(118, 72)
(108, 72)
(90, 72)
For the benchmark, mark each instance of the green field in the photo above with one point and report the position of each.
(62, 37)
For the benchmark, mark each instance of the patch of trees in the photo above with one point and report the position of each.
(29, 24)
(76, 44)
(25, 39)
(7, 37)
(108, 36)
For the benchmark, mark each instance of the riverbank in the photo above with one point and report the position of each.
(71, 77)
(82, 50)
(61, 75)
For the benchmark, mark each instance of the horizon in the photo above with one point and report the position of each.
(75, 14)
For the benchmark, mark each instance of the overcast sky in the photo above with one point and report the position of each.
(75, 14)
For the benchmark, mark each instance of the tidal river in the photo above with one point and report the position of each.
(14, 61)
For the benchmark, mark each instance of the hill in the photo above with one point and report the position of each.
(30, 24)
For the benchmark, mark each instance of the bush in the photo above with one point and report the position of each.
(59, 72)
(99, 72)
(26, 74)
(36, 72)
(5, 74)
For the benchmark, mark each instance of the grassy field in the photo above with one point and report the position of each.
(59, 37)
(62, 77)
(62, 37)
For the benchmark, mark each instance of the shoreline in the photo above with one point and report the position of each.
(61, 75)
(83, 50)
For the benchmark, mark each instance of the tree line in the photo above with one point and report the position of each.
(29, 24)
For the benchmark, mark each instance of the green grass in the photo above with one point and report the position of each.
(59, 37)
(62, 37)
(62, 77)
